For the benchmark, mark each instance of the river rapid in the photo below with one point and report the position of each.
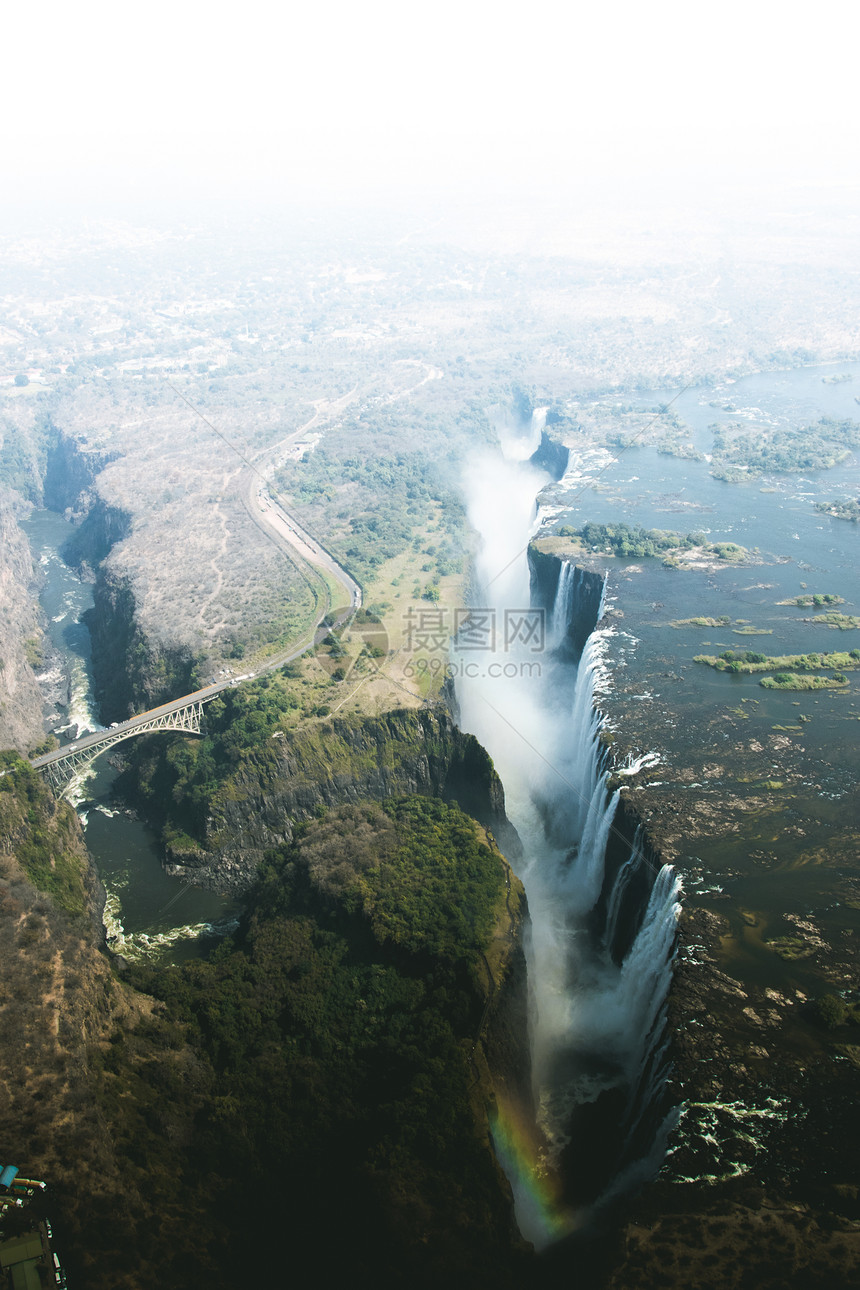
(148, 913)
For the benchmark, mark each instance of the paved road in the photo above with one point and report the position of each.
(284, 530)
(272, 517)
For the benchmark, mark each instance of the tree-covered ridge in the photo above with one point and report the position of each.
(740, 453)
(41, 834)
(334, 1082)
(414, 869)
(179, 782)
(253, 752)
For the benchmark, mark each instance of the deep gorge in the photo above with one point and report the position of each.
(272, 795)
(603, 909)
(431, 1031)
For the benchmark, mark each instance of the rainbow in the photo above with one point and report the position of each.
(541, 1215)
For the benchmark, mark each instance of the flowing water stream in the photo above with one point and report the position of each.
(148, 914)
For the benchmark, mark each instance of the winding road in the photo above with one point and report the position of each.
(288, 535)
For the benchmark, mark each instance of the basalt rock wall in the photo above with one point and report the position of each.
(131, 671)
(350, 759)
(101, 529)
(70, 474)
(572, 601)
(551, 456)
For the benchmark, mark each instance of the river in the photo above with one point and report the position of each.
(148, 914)
(776, 770)
(594, 1023)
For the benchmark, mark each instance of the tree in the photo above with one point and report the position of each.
(832, 1010)
(22, 379)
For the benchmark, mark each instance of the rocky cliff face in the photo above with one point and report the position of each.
(340, 761)
(551, 456)
(101, 529)
(505, 1036)
(572, 621)
(70, 474)
(131, 671)
(20, 698)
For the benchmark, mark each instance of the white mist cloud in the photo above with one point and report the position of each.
(223, 99)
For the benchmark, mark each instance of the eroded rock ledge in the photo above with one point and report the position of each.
(293, 779)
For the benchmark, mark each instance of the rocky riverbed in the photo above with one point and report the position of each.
(758, 815)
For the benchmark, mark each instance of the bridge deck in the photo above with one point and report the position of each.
(153, 719)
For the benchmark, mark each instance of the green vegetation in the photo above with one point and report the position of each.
(841, 508)
(840, 622)
(791, 948)
(833, 1011)
(23, 446)
(749, 630)
(330, 1056)
(729, 551)
(630, 541)
(747, 661)
(686, 451)
(423, 881)
(817, 600)
(743, 454)
(791, 681)
(33, 652)
(722, 621)
(42, 833)
(372, 507)
(626, 541)
(634, 542)
(253, 747)
(179, 782)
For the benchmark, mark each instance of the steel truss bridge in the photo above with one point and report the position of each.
(66, 764)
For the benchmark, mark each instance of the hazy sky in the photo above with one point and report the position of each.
(209, 98)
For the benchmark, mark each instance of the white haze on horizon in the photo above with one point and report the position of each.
(384, 102)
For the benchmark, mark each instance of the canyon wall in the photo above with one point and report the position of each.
(20, 635)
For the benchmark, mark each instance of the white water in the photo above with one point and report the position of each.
(597, 1024)
(148, 912)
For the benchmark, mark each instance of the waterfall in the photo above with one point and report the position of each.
(603, 933)
(565, 600)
